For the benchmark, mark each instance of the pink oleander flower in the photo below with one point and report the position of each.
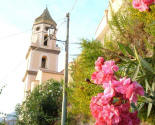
(134, 118)
(133, 90)
(124, 108)
(109, 92)
(148, 2)
(108, 116)
(142, 5)
(111, 115)
(101, 77)
(99, 63)
(97, 104)
(122, 85)
(129, 118)
(109, 67)
(100, 122)
(112, 107)
(95, 108)
(104, 72)
(98, 77)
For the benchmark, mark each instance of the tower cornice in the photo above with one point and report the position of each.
(42, 49)
(29, 72)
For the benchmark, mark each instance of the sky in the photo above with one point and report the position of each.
(16, 20)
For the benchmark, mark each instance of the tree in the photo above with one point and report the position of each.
(80, 91)
(42, 106)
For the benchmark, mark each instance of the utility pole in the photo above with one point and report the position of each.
(64, 102)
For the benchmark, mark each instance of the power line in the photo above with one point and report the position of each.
(14, 34)
(23, 61)
(61, 24)
(73, 7)
(18, 33)
(16, 67)
(61, 19)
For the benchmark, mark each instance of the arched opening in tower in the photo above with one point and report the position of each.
(43, 62)
(45, 40)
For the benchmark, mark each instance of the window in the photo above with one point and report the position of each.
(38, 28)
(45, 40)
(43, 62)
(46, 28)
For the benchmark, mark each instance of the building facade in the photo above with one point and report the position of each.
(103, 27)
(42, 55)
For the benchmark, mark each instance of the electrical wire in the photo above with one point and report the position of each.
(73, 7)
(14, 34)
(14, 69)
(23, 61)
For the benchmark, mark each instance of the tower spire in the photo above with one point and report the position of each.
(45, 17)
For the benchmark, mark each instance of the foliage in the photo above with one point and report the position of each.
(129, 29)
(142, 70)
(80, 91)
(134, 28)
(133, 34)
(42, 106)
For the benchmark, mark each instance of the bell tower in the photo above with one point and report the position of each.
(43, 51)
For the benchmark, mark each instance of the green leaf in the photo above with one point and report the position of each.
(140, 106)
(146, 65)
(129, 50)
(133, 107)
(136, 73)
(148, 99)
(152, 28)
(137, 56)
(149, 109)
(153, 88)
(125, 49)
(122, 48)
(115, 100)
(153, 57)
(143, 62)
(127, 69)
(147, 85)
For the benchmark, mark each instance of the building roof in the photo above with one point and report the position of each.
(45, 17)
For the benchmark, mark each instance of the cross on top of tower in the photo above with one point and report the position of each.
(45, 17)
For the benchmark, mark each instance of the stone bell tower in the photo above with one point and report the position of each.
(43, 52)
